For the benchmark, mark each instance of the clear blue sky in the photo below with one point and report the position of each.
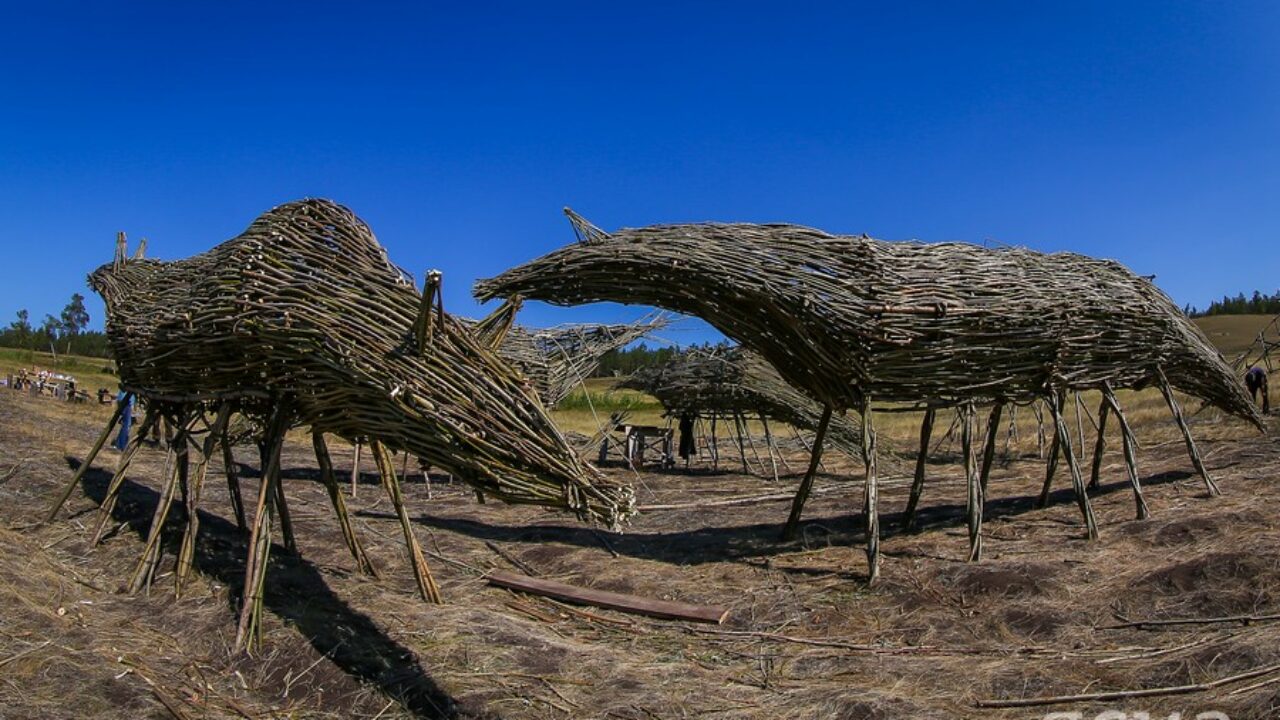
(1142, 131)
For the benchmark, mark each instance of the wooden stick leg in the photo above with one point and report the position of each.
(1130, 454)
(88, 461)
(286, 522)
(917, 485)
(806, 485)
(1077, 481)
(974, 502)
(989, 448)
(1035, 408)
(426, 584)
(1167, 390)
(1050, 468)
(187, 553)
(249, 629)
(1100, 446)
(178, 475)
(363, 564)
(233, 482)
(108, 506)
(871, 494)
(355, 469)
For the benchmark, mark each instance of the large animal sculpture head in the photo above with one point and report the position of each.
(305, 308)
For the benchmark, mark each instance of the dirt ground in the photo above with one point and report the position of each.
(806, 636)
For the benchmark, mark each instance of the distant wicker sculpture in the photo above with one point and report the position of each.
(736, 384)
(850, 319)
(556, 360)
(302, 321)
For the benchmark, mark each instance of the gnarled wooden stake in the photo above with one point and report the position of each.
(249, 629)
(233, 482)
(974, 500)
(426, 584)
(806, 485)
(1077, 481)
(1130, 454)
(179, 451)
(88, 460)
(917, 484)
(1051, 465)
(989, 448)
(187, 553)
(108, 505)
(1100, 446)
(871, 493)
(277, 498)
(1167, 391)
(363, 564)
(355, 468)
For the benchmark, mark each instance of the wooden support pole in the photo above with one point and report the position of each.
(1077, 481)
(108, 506)
(233, 482)
(746, 431)
(187, 553)
(774, 454)
(1130, 453)
(742, 447)
(802, 494)
(88, 460)
(426, 584)
(355, 469)
(1035, 408)
(277, 498)
(807, 447)
(1100, 446)
(249, 629)
(974, 499)
(1012, 436)
(363, 564)
(871, 493)
(1051, 465)
(1167, 390)
(917, 484)
(1080, 426)
(989, 448)
(179, 451)
(715, 444)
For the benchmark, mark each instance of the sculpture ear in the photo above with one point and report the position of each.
(492, 330)
(432, 302)
(141, 252)
(586, 232)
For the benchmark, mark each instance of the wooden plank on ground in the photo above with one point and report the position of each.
(602, 598)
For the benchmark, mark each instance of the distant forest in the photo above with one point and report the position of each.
(625, 362)
(64, 334)
(1258, 304)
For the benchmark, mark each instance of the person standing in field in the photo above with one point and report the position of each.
(1256, 380)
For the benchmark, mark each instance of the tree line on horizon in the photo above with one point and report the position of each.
(1257, 304)
(62, 334)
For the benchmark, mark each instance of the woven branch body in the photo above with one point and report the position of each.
(846, 317)
(305, 305)
(733, 380)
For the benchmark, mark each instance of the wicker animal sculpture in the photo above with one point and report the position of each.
(734, 383)
(302, 321)
(849, 319)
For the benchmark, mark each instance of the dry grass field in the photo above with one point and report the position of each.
(1046, 612)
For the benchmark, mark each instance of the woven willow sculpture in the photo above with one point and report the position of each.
(735, 383)
(556, 360)
(302, 321)
(851, 319)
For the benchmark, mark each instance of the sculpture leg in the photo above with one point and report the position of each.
(187, 553)
(426, 584)
(1130, 454)
(1051, 467)
(233, 483)
(88, 460)
(974, 501)
(363, 563)
(178, 475)
(249, 629)
(871, 495)
(108, 505)
(917, 484)
(1100, 446)
(1077, 481)
(806, 485)
(1167, 391)
(989, 448)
